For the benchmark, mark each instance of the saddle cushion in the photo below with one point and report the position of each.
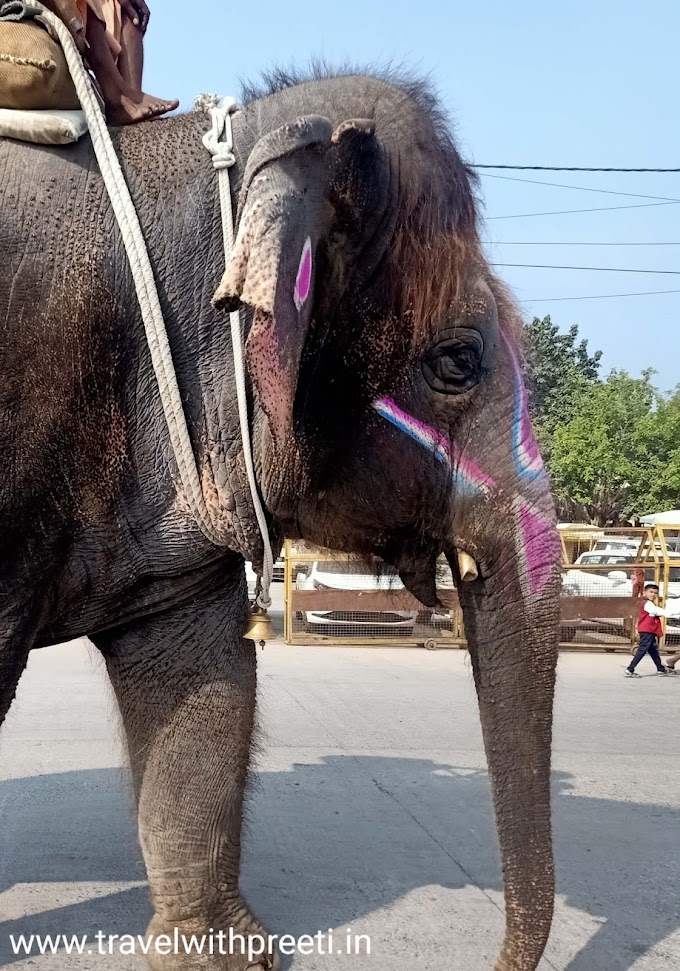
(33, 70)
(43, 127)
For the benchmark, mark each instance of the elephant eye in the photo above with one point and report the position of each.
(453, 364)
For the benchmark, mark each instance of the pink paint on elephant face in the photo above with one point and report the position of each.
(303, 281)
(539, 544)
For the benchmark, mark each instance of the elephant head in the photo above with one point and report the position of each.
(393, 419)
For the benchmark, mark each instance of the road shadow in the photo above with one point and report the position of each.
(328, 843)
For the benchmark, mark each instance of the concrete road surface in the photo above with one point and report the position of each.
(370, 811)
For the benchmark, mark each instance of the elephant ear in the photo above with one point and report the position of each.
(271, 267)
(288, 204)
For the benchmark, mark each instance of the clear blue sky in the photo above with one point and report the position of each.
(588, 82)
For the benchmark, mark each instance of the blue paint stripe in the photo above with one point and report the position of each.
(408, 430)
(521, 466)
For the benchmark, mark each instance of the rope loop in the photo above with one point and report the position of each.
(219, 139)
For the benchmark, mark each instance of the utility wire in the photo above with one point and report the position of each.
(600, 296)
(562, 212)
(600, 269)
(562, 168)
(579, 188)
(508, 242)
(663, 200)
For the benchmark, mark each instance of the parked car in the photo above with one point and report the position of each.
(353, 575)
(600, 557)
(623, 545)
(613, 583)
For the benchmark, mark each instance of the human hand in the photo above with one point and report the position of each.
(137, 11)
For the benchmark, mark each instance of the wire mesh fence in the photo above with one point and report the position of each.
(335, 598)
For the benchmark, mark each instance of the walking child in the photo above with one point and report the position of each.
(650, 629)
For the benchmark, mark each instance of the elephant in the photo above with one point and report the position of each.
(389, 418)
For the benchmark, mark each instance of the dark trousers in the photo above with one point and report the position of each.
(649, 644)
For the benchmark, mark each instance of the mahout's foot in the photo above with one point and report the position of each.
(133, 108)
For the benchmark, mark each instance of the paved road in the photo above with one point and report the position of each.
(371, 811)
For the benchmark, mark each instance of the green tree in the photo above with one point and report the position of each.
(656, 480)
(600, 458)
(560, 369)
(612, 447)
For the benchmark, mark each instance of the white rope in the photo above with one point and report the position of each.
(152, 315)
(219, 141)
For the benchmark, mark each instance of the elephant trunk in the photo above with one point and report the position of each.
(514, 656)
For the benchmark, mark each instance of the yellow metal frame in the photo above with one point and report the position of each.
(668, 561)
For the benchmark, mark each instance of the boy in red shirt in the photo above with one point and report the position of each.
(650, 630)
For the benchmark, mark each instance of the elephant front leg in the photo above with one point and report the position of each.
(18, 623)
(185, 684)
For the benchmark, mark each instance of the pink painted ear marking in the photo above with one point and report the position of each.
(303, 281)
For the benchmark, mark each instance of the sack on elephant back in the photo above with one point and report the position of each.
(33, 69)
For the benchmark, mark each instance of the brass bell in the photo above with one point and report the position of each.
(259, 626)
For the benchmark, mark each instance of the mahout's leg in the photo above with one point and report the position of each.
(185, 683)
(125, 102)
(131, 58)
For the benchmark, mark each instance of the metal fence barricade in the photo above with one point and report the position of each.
(335, 598)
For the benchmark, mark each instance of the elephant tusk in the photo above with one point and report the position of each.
(467, 567)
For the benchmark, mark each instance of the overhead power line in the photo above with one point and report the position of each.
(579, 188)
(599, 269)
(509, 242)
(600, 296)
(562, 212)
(562, 168)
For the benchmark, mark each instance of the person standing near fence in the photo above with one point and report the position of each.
(650, 630)
(638, 578)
